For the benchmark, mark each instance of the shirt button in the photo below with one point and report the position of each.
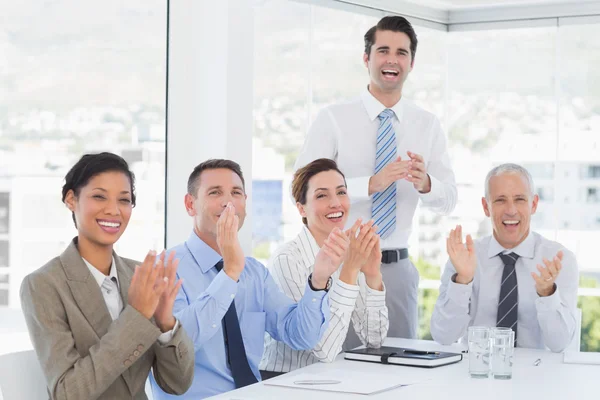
(214, 326)
(314, 300)
(233, 296)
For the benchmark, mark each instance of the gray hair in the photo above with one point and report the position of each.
(509, 168)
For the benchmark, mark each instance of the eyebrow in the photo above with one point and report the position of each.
(502, 196)
(106, 191)
(340, 186)
(388, 47)
(221, 187)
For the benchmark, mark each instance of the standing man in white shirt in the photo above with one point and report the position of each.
(515, 278)
(393, 154)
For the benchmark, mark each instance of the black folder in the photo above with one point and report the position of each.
(404, 356)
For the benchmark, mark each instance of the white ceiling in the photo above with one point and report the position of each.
(462, 4)
(451, 13)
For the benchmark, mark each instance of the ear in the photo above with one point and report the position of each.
(534, 205)
(301, 209)
(70, 200)
(412, 63)
(486, 208)
(366, 60)
(189, 205)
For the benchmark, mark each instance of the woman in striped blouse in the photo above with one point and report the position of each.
(357, 293)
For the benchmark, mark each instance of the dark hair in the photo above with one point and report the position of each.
(304, 174)
(90, 165)
(194, 181)
(392, 23)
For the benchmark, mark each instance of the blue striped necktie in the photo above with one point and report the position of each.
(508, 302)
(384, 203)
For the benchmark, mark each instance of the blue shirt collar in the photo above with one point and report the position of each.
(525, 249)
(204, 255)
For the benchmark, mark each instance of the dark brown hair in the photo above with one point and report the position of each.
(194, 181)
(392, 23)
(90, 165)
(304, 174)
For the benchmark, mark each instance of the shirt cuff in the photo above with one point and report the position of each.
(548, 303)
(166, 337)
(313, 298)
(459, 293)
(223, 289)
(436, 192)
(375, 298)
(358, 188)
(343, 295)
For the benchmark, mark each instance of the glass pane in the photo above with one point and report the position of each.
(502, 108)
(281, 88)
(578, 204)
(77, 77)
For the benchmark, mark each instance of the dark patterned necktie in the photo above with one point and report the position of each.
(508, 303)
(234, 345)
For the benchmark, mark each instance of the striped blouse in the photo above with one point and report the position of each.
(290, 266)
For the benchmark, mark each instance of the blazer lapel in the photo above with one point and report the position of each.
(85, 290)
(125, 274)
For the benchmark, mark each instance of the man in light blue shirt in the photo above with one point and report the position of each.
(226, 297)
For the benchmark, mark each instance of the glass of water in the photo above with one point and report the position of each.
(503, 346)
(479, 351)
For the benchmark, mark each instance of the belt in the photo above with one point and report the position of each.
(392, 256)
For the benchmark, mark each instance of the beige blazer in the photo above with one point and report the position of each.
(82, 351)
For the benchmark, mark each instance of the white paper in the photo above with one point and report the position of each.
(350, 381)
(576, 357)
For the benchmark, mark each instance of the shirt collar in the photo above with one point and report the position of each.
(204, 255)
(99, 276)
(374, 107)
(525, 249)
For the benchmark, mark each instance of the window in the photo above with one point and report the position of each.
(77, 77)
(493, 108)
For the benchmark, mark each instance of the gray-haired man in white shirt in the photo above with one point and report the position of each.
(515, 278)
(394, 155)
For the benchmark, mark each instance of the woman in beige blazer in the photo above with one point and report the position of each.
(99, 322)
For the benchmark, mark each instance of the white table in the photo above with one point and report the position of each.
(550, 380)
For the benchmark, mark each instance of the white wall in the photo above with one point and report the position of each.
(210, 98)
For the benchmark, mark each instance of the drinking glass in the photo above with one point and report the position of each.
(502, 348)
(479, 351)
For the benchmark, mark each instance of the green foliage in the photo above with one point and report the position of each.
(590, 324)
(261, 251)
(427, 297)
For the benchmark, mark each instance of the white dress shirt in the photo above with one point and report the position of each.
(290, 266)
(542, 321)
(347, 133)
(109, 286)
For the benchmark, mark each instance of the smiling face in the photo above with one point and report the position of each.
(390, 61)
(216, 188)
(327, 203)
(102, 208)
(510, 207)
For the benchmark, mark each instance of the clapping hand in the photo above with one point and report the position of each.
(163, 315)
(462, 255)
(544, 282)
(329, 258)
